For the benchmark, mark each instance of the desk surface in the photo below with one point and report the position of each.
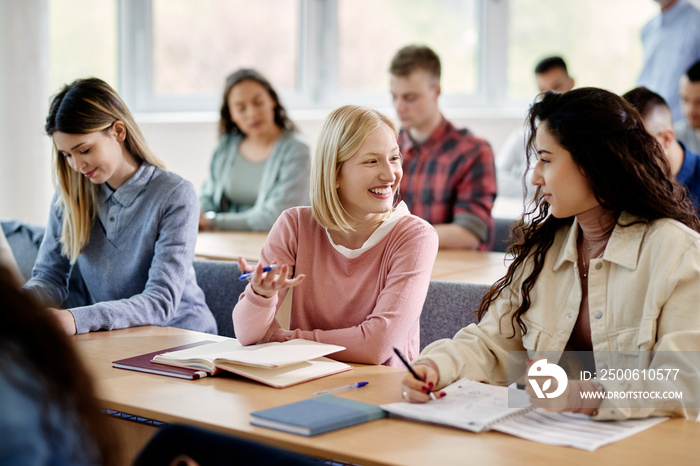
(450, 264)
(224, 404)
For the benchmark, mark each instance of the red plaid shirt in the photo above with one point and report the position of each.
(450, 178)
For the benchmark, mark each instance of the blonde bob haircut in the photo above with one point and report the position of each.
(81, 107)
(340, 137)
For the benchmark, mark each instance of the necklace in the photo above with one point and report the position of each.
(588, 248)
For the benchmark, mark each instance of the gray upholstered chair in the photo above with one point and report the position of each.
(24, 240)
(219, 281)
(448, 308)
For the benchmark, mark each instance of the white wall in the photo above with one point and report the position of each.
(25, 152)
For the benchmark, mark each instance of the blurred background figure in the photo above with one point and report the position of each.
(671, 42)
(261, 166)
(449, 174)
(684, 163)
(688, 129)
(551, 74)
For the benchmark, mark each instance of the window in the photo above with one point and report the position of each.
(318, 53)
(197, 44)
(175, 54)
(370, 32)
(83, 41)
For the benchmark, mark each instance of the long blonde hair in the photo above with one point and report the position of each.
(81, 107)
(340, 137)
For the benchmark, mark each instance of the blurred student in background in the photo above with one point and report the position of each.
(551, 74)
(129, 224)
(684, 164)
(359, 263)
(261, 166)
(48, 406)
(449, 175)
(688, 129)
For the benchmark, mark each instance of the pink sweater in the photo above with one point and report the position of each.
(368, 304)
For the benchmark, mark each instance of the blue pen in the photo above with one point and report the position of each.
(247, 275)
(340, 389)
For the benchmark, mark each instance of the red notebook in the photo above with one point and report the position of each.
(143, 363)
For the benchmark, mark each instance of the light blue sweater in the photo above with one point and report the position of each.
(137, 266)
(284, 184)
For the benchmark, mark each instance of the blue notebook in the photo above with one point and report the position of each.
(317, 415)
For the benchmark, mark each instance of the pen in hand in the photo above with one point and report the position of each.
(410, 369)
(248, 275)
(340, 389)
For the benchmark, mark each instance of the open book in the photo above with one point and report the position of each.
(276, 364)
(478, 407)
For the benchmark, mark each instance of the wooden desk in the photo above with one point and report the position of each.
(223, 404)
(450, 264)
(229, 245)
(456, 265)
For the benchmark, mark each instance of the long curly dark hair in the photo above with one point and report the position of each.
(625, 165)
(226, 124)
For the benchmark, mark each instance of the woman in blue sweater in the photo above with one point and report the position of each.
(129, 224)
(261, 166)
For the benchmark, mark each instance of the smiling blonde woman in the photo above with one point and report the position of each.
(359, 263)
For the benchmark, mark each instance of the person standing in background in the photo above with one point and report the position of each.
(671, 42)
(449, 173)
(261, 166)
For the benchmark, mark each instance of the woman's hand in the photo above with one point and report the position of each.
(417, 391)
(65, 320)
(267, 284)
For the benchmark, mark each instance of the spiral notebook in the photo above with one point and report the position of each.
(478, 407)
(468, 405)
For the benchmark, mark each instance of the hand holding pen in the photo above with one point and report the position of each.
(418, 384)
(267, 281)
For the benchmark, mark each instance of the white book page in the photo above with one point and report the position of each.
(263, 355)
(285, 376)
(278, 354)
(572, 430)
(468, 405)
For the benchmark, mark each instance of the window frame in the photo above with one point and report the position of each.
(317, 82)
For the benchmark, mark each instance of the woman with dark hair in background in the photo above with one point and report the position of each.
(607, 262)
(49, 411)
(261, 166)
(129, 224)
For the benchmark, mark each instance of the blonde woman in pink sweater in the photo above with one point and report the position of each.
(359, 262)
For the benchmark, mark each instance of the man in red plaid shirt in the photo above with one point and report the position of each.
(449, 177)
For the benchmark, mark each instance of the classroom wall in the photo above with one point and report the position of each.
(25, 152)
(186, 144)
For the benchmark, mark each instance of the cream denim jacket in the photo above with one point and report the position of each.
(644, 294)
